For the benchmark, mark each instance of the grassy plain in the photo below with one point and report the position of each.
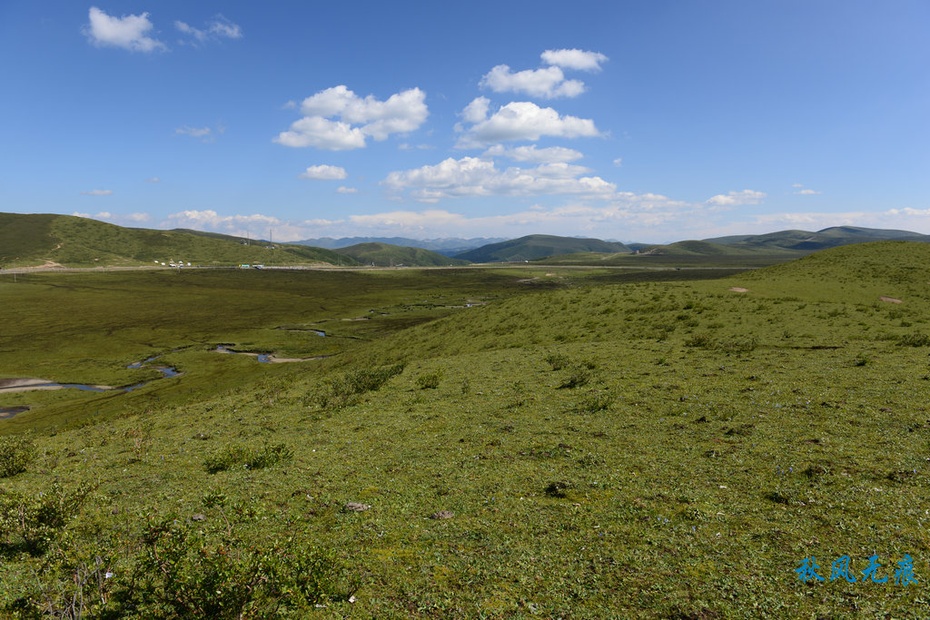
(573, 444)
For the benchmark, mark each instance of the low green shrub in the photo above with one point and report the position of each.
(578, 377)
(248, 457)
(701, 341)
(31, 523)
(181, 575)
(557, 361)
(16, 452)
(914, 339)
(347, 389)
(737, 344)
(429, 380)
(175, 571)
(596, 402)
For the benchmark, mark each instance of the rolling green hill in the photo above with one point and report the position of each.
(683, 254)
(534, 247)
(652, 449)
(387, 255)
(698, 248)
(805, 241)
(35, 240)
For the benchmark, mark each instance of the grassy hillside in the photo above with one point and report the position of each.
(534, 247)
(25, 236)
(699, 248)
(386, 255)
(33, 240)
(683, 254)
(805, 241)
(636, 450)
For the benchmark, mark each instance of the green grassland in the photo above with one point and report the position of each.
(502, 443)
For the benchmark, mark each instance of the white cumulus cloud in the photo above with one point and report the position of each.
(324, 173)
(338, 119)
(547, 83)
(735, 199)
(524, 120)
(477, 110)
(128, 32)
(472, 176)
(322, 133)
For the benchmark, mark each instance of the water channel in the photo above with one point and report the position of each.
(22, 385)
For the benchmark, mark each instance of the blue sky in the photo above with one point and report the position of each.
(648, 121)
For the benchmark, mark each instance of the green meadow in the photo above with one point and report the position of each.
(511, 442)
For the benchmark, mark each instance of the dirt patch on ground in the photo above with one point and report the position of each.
(739, 289)
(890, 300)
(14, 383)
(19, 385)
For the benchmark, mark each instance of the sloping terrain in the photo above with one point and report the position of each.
(387, 255)
(445, 246)
(534, 247)
(804, 241)
(652, 450)
(35, 240)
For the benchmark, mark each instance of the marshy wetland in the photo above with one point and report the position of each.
(526, 442)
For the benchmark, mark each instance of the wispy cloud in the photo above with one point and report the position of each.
(324, 173)
(132, 219)
(204, 134)
(548, 155)
(97, 192)
(218, 28)
(803, 191)
(736, 199)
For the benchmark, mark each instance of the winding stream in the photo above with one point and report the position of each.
(24, 385)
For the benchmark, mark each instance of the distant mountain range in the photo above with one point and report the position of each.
(45, 239)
